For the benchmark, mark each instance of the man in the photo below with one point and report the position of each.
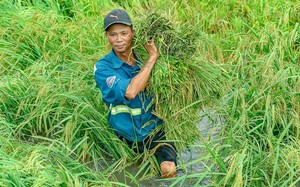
(122, 82)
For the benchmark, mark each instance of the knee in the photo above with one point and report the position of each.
(168, 169)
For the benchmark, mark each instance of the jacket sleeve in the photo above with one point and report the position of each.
(111, 84)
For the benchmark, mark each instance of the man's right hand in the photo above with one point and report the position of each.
(152, 50)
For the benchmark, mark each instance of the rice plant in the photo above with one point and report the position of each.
(238, 58)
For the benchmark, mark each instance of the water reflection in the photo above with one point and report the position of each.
(193, 161)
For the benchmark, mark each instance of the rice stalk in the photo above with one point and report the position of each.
(181, 82)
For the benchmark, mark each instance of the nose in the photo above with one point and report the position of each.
(119, 38)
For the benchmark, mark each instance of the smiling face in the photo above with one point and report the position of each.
(120, 37)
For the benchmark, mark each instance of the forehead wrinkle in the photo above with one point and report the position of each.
(118, 26)
(119, 31)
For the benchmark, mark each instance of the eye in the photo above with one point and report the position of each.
(112, 34)
(124, 33)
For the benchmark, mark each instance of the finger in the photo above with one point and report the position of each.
(151, 41)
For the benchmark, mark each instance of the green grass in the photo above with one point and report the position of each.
(243, 64)
(44, 164)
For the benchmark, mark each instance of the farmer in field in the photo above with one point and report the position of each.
(122, 80)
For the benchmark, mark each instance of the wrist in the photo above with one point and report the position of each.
(152, 59)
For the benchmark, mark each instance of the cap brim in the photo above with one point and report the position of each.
(125, 23)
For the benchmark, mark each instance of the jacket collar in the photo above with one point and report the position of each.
(116, 61)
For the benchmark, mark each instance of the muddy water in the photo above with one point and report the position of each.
(189, 161)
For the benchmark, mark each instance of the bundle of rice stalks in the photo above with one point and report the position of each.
(171, 42)
(183, 82)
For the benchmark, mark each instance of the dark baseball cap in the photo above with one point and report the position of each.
(116, 16)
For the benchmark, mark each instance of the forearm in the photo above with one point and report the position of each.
(139, 82)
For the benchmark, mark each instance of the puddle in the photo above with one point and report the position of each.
(191, 160)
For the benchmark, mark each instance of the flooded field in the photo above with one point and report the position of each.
(53, 121)
(191, 160)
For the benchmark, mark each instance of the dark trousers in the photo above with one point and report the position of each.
(164, 150)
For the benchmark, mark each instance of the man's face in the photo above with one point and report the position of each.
(120, 36)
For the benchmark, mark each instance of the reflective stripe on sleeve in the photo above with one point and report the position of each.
(125, 109)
